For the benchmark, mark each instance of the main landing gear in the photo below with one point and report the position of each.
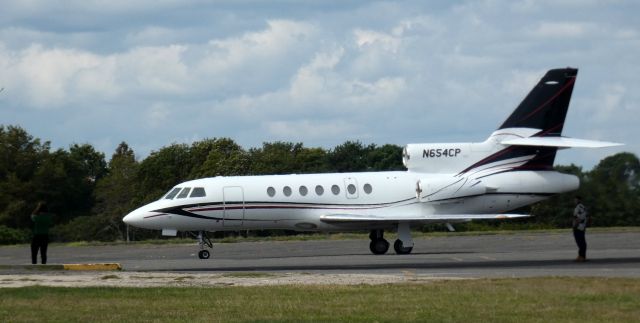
(203, 241)
(400, 249)
(378, 245)
(403, 245)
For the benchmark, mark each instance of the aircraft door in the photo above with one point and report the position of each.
(351, 187)
(233, 202)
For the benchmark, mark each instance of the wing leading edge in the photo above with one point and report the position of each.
(560, 142)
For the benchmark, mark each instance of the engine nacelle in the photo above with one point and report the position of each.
(533, 182)
(444, 157)
(448, 188)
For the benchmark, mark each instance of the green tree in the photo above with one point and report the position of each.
(162, 170)
(350, 156)
(612, 190)
(21, 156)
(30, 172)
(313, 160)
(116, 193)
(276, 158)
(223, 158)
(91, 162)
(385, 158)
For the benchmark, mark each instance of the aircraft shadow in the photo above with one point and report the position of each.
(359, 254)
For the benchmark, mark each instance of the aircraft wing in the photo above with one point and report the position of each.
(436, 218)
(561, 142)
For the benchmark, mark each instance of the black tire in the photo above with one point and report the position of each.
(397, 246)
(203, 254)
(379, 246)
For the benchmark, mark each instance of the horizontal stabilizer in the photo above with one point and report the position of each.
(440, 217)
(560, 142)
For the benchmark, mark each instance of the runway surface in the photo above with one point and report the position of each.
(506, 255)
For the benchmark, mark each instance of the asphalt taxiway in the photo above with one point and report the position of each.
(611, 254)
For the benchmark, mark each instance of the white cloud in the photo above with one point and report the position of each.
(413, 71)
(368, 38)
(152, 35)
(158, 114)
(43, 77)
(279, 37)
(520, 82)
(315, 80)
(561, 30)
(609, 102)
(292, 130)
(155, 70)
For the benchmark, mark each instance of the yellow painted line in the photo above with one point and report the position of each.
(113, 266)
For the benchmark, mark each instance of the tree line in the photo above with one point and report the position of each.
(90, 195)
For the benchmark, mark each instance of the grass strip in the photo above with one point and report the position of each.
(486, 300)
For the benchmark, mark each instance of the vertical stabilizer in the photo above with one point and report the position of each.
(541, 114)
(545, 107)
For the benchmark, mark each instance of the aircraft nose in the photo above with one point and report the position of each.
(132, 218)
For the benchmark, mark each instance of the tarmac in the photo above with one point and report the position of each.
(610, 254)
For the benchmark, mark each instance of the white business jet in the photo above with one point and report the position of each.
(444, 182)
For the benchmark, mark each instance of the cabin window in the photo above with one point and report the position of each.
(319, 190)
(335, 189)
(184, 193)
(351, 189)
(367, 188)
(198, 192)
(173, 193)
(287, 191)
(271, 191)
(303, 190)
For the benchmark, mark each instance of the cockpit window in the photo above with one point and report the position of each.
(172, 193)
(184, 193)
(198, 192)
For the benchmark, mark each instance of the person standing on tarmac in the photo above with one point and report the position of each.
(42, 221)
(580, 219)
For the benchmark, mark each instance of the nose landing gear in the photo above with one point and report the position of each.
(203, 241)
(203, 254)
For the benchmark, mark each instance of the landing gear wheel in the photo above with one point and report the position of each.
(379, 246)
(203, 241)
(203, 254)
(397, 246)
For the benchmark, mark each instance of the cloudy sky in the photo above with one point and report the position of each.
(156, 72)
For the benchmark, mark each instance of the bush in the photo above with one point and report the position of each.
(13, 236)
(86, 228)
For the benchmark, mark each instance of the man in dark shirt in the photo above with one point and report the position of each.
(580, 222)
(42, 221)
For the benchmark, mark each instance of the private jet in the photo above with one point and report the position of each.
(444, 183)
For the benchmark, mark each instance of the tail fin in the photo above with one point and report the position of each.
(540, 114)
(545, 107)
